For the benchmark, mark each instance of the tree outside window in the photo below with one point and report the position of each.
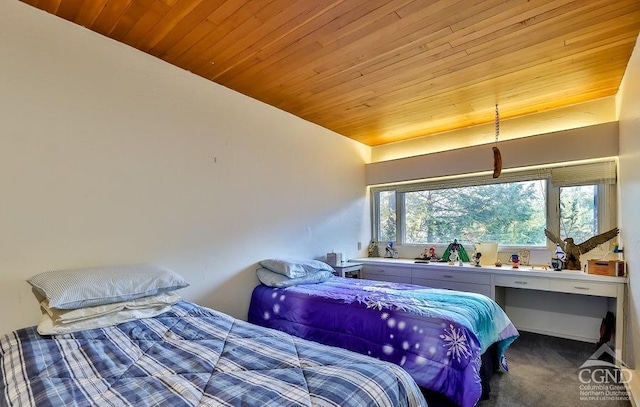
(510, 214)
(578, 212)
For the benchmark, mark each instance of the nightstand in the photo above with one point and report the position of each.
(349, 270)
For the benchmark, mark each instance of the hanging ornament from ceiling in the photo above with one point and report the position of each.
(497, 157)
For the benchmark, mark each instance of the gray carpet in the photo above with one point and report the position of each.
(543, 371)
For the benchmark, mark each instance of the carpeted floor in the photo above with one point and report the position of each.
(544, 371)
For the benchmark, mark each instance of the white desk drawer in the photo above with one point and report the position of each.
(387, 277)
(370, 269)
(585, 287)
(483, 289)
(452, 275)
(531, 283)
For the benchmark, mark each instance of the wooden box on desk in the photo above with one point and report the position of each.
(606, 267)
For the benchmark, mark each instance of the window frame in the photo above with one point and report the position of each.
(603, 174)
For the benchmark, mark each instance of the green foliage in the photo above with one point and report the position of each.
(387, 227)
(578, 215)
(510, 214)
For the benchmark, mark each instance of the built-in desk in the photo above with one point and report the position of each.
(568, 304)
(348, 269)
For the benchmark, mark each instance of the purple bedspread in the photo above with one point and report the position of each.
(436, 335)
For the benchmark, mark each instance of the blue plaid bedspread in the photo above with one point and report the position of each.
(192, 356)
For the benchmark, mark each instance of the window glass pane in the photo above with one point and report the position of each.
(387, 218)
(579, 212)
(510, 214)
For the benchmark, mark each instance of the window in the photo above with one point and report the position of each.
(387, 216)
(510, 213)
(579, 212)
(571, 201)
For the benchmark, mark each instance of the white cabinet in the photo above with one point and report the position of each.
(349, 270)
(536, 300)
(586, 288)
(532, 283)
(384, 272)
(453, 279)
(446, 277)
(483, 289)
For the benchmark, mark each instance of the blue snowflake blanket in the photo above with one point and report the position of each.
(437, 335)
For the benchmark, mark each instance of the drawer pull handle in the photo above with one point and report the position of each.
(581, 288)
(447, 276)
(521, 282)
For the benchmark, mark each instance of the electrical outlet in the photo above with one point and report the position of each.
(359, 245)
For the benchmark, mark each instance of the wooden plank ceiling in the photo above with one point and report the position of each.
(380, 71)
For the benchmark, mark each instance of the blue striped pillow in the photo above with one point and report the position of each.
(71, 289)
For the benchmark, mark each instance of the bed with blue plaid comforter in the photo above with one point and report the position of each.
(192, 356)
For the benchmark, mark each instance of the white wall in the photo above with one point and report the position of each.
(565, 118)
(629, 171)
(109, 155)
(543, 149)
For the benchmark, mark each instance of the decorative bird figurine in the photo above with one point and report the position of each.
(573, 251)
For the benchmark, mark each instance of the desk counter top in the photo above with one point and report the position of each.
(504, 270)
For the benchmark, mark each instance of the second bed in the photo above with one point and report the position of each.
(437, 335)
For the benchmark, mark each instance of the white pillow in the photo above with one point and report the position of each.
(48, 327)
(80, 314)
(271, 279)
(70, 289)
(295, 268)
